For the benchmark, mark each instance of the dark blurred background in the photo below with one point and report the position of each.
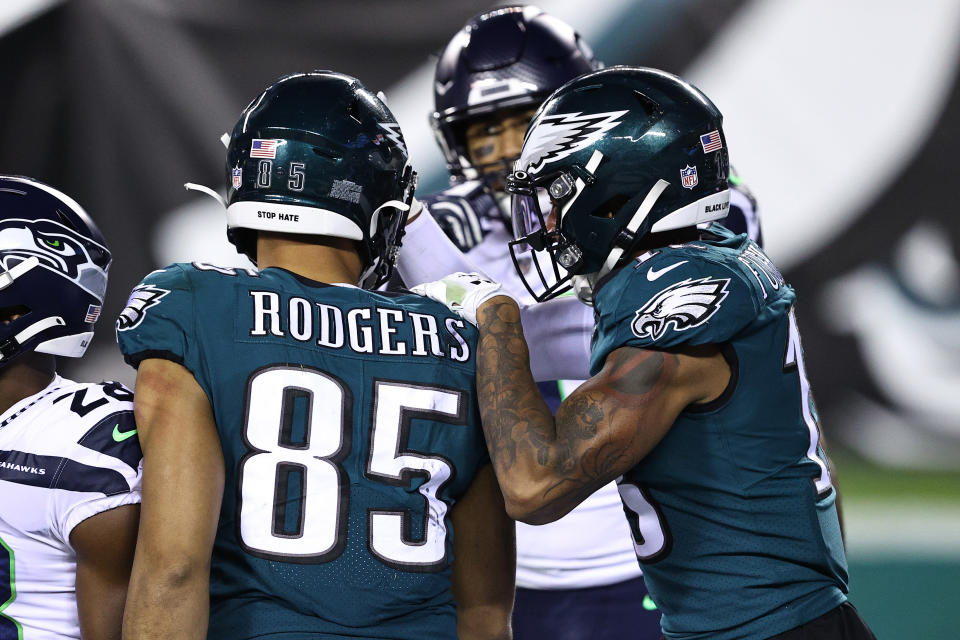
(844, 119)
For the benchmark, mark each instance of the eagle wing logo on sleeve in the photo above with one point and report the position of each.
(557, 136)
(141, 299)
(684, 305)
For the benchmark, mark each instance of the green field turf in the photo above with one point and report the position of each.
(859, 479)
(903, 545)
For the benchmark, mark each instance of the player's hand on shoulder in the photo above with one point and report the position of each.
(463, 293)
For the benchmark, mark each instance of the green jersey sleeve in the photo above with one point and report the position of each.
(158, 321)
(677, 296)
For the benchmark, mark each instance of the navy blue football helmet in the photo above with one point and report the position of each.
(54, 264)
(319, 154)
(507, 58)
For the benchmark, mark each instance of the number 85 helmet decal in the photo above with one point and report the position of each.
(609, 158)
(53, 271)
(319, 154)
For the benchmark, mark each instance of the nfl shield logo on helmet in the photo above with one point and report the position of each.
(237, 177)
(688, 177)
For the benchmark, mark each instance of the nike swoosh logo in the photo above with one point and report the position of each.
(120, 436)
(648, 603)
(653, 274)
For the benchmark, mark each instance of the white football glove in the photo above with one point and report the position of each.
(462, 292)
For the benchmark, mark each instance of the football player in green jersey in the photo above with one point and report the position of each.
(699, 404)
(322, 439)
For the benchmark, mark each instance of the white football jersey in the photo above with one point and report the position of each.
(66, 453)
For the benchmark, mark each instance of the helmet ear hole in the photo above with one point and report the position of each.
(354, 111)
(609, 208)
(648, 104)
(324, 154)
(11, 313)
(67, 222)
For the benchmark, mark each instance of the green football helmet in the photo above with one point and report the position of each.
(609, 158)
(318, 154)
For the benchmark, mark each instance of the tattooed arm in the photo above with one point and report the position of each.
(547, 466)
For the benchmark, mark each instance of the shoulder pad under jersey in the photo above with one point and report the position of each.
(462, 211)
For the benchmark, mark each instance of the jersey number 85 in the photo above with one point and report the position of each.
(319, 530)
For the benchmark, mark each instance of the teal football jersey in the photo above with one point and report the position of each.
(733, 512)
(349, 427)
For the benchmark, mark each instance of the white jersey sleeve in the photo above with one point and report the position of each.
(558, 332)
(66, 454)
(427, 253)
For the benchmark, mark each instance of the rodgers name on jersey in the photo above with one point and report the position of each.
(349, 429)
(740, 482)
(276, 314)
(66, 454)
(273, 314)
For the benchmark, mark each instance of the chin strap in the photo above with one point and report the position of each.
(10, 346)
(191, 186)
(414, 207)
(583, 284)
(391, 204)
(638, 217)
(583, 287)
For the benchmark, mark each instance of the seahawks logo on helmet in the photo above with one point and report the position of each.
(141, 299)
(58, 248)
(555, 137)
(684, 305)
